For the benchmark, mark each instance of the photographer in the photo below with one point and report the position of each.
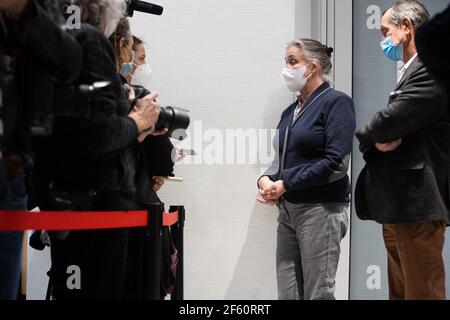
(33, 47)
(154, 154)
(155, 151)
(93, 160)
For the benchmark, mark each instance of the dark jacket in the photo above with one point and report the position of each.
(318, 148)
(97, 152)
(155, 159)
(410, 184)
(41, 50)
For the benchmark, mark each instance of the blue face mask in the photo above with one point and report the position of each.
(392, 51)
(126, 69)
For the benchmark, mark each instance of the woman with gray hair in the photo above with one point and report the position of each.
(310, 185)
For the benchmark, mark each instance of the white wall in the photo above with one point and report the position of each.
(38, 264)
(222, 60)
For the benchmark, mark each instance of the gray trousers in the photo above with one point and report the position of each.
(308, 249)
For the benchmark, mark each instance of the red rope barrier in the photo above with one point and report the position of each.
(57, 221)
(65, 220)
(170, 218)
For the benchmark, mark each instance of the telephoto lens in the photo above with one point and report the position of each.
(174, 119)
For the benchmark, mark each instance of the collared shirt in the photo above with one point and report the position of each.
(297, 110)
(403, 69)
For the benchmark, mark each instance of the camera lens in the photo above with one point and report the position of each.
(174, 119)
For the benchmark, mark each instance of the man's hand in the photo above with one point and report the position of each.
(13, 8)
(146, 114)
(389, 147)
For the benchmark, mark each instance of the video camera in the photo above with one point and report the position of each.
(141, 6)
(171, 118)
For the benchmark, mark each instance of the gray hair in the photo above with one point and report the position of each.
(99, 12)
(314, 51)
(412, 9)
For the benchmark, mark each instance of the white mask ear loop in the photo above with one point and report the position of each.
(310, 75)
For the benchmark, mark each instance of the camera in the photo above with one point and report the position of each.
(171, 118)
(62, 100)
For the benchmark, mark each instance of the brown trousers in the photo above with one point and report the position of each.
(416, 268)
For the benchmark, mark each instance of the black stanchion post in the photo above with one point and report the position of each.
(152, 253)
(48, 295)
(178, 238)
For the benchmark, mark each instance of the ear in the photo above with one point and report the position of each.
(407, 25)
(313, 67)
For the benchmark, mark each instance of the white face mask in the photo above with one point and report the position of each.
(293, 79)
(142, 76)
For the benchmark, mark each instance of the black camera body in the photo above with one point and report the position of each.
(176, 120)
(62, 100)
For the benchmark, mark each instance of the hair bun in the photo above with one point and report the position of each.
(330, 50)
